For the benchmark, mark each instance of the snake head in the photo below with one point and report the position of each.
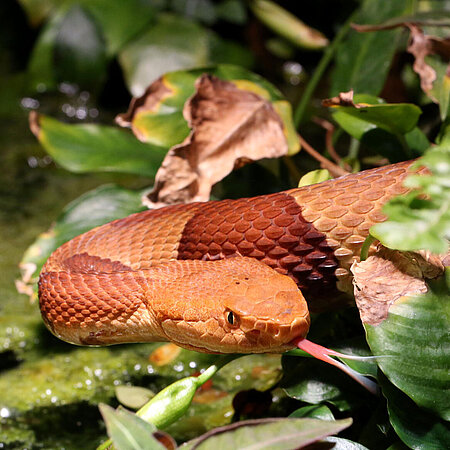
(237, 305)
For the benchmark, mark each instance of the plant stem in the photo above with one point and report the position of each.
(320, 69)
(325, 163)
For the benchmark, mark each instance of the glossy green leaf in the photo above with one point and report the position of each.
(79, 49)
(315, 176)
(363, 59)
(417, 428)
(163, 48)
(133, 397)
(98, 148)
(273, 434)
(120, 21)
(40, 71)
(314, 411)
(315, 382)
(421, 223)
(92, 209)
(396, 118)
(128, 431)
(414, 338)
(287, 25)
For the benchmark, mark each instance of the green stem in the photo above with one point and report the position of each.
(318, 73)
(366, 246)
(164, 408)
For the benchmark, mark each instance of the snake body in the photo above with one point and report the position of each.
(222, 276)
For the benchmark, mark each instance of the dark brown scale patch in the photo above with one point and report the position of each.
(269, 228)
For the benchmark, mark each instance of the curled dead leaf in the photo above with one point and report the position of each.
(230, 127)
(420, 46)
(343, 99)
(374, 288)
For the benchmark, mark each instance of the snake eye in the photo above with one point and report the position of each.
(230, 318)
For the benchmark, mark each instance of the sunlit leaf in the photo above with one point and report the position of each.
(271, 434)
(414, 337)
(315, 176)
(363, 59)
(421, 223)
(128, 431)
(91, 148)
(287, 25)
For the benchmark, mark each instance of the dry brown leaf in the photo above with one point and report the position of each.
(389, 275)
(151, 98)
(420, 46)
(343, 99)
(230, 127)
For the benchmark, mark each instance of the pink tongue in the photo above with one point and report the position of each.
(324, 353)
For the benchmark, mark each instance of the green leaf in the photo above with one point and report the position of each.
(163, 48)
(133, 397)
(363, 59)
(79, 49)
(440, 91)
(315, 412)
(343, 444)
(128, 431)
(92, 209)
(120, 21)
(88, 148)
(315, 176)
(414, 222)
(315, 382)
(40, 71)
(274, 434)
(414, 338)
(396, 118)
(233, 11)
(287, 25)
(415, 426)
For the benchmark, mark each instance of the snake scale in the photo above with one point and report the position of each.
(222, 276)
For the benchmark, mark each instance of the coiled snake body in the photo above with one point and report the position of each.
(225, 276)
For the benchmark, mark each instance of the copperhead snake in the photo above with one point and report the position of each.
(226, 276)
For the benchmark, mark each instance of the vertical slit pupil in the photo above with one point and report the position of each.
(230, 318)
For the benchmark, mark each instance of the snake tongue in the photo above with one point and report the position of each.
(324, 354)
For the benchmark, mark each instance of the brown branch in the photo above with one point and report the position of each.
(325, 163)
(330, 128)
